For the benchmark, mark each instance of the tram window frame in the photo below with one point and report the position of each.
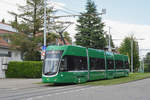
(76, 63)
(97, 63)
(110, 64)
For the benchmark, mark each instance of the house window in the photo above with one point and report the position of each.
(6, 39)
(9, 54)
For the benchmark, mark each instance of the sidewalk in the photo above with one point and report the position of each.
(19, 83)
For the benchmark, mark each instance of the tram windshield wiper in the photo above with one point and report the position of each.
(47, 73)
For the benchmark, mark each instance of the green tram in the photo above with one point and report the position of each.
(76, 64)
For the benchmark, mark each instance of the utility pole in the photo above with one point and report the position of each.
(44, 45)
(109, 44)
(132, 55)
(45, 26)
(143, 65)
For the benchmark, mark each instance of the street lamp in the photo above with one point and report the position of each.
(109, 44)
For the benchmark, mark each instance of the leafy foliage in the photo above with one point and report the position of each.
(30, 24)
(67, 37)
(147, 62)
(90, 28)
(3, 20)
(111, 41)
(31, 17)
(29, 37)
(125, 48)
(30, 46)
(27, 69)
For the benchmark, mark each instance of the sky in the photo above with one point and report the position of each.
(125, 17)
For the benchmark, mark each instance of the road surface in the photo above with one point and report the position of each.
(27, 89)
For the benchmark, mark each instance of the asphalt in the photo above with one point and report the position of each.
(28, 89)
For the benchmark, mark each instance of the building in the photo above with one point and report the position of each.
(5, 49)
(6, 53)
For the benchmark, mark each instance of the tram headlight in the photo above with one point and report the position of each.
(61, 75)
(47, 79)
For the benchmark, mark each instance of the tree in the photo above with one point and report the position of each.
(125, 48)
(111, 41)
(29, 46)
(31, 17)
(29, 23)
(147, 62)
(26, 45)
(67, 37)
(3, 20)
(90, 28)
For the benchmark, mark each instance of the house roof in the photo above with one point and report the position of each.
(5, 32)
(6, 27)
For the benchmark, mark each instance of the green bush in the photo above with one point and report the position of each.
(26, 69)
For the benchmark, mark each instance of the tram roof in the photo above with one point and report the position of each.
(81, 51)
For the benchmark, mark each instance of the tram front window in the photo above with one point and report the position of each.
(51, 62)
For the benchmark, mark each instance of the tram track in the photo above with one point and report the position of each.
(29, 93)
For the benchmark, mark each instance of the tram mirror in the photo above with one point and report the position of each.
(63, 68)
(62, 60)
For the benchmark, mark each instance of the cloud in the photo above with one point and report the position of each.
(9, 5)
(56, 5)
(72, 28)
(120, 30)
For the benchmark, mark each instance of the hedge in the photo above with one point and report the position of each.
(26, 69)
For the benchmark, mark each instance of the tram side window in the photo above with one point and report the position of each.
(126, 65)
(97, 64)
(110, 64)
(76, 63)
(119, 64)
(92, 64)
(101, 64)
(63, 65)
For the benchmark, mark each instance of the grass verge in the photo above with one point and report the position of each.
(132, 77)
